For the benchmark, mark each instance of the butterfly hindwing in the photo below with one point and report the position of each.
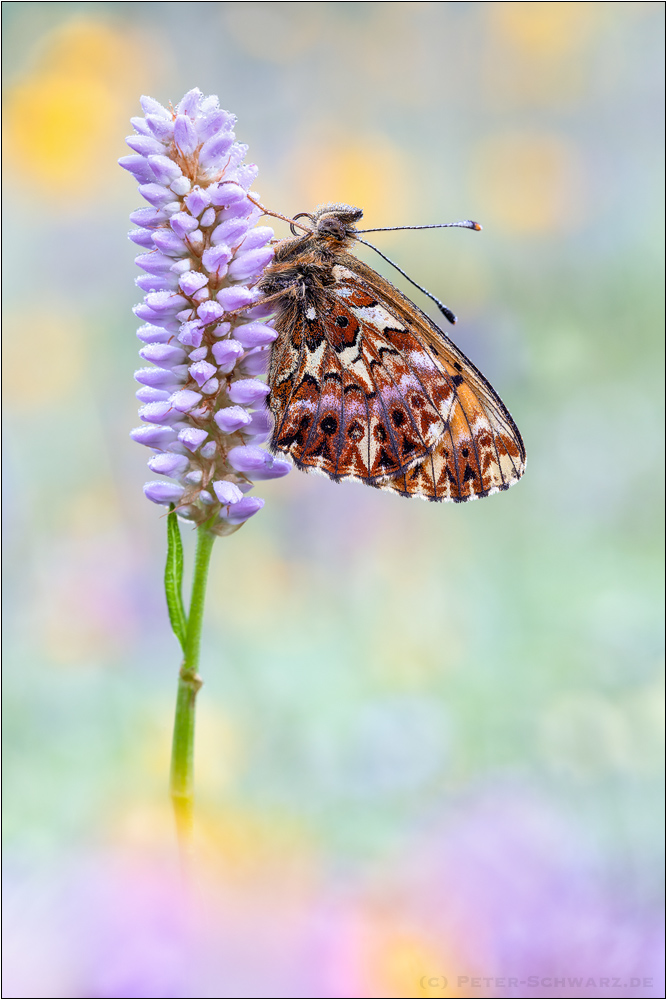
(344, 401)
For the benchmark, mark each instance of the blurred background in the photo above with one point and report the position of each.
(428, 755)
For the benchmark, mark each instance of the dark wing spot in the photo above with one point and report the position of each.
(380, 433)
(297, 437)
(457, 379)
(458, 366)
(408, 447)
(468, 474)
(398, 417)
(342, 321)
(355, 431)
(322, 449)
(329, 425)
(313, 336)
(465, 452)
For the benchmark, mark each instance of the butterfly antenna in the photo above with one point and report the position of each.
(277, 215)
(445, 310)
(467, 224)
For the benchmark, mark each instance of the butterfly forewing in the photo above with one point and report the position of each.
(481, 450)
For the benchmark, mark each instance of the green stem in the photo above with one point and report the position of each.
(182, 751)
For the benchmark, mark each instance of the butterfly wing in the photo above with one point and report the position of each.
(344, 400)
(365, 386)
(480, 451)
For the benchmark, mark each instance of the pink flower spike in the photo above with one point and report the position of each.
(202, 253)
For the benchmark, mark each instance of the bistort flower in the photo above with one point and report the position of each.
(204, 409)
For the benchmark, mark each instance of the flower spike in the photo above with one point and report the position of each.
(204, 409)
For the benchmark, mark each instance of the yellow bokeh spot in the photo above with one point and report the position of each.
(56, 128)
(219, 749)
(544, 29)
(252, 847)
(146, 824)
(401, 962)
(527, 183)
(89, 50)
(409, 965)
(535, 52)
(93, 505)
(42, 358)
(63, 121)
(369, 173)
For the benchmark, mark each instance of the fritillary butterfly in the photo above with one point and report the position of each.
(365, 387)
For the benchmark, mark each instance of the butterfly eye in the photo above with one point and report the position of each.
(332, 227)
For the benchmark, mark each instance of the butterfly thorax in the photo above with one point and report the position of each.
(306, 261)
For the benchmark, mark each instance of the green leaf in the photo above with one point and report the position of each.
(173, 579)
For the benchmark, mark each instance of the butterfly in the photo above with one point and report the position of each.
(365, 387)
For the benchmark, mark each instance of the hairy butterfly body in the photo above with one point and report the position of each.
(365, 387)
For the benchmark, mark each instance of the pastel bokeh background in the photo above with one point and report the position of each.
(429, 744)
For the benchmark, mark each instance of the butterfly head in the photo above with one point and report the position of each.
(333, 222)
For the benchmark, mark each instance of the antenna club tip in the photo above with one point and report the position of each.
(477, 227)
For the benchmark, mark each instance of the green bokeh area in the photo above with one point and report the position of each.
(430, 737)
